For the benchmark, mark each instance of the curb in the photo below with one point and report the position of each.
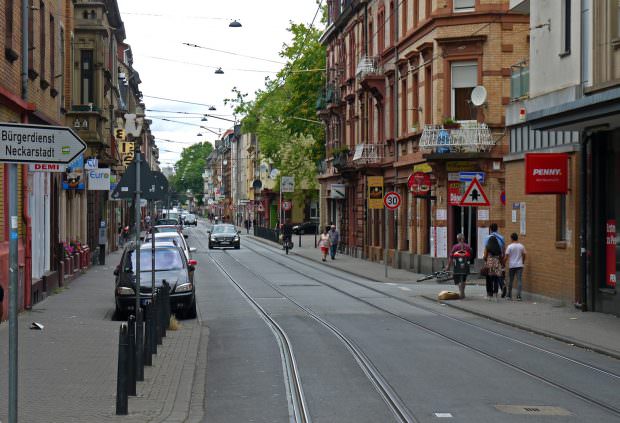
(552, 335)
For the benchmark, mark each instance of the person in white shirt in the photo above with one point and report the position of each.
(515, 258)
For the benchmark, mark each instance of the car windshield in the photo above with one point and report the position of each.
(190, 216)
(169, 229)
(168, 237)
(165, 259)
(167, 222)
(224, 229)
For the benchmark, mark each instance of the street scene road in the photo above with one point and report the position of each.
(309, 211)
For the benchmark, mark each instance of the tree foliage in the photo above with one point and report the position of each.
(189, 170)
(294, 155)
(283, 113)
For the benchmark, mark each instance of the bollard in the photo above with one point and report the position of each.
(153, 324)
(315, 231)
(300, 238)
(157, 316)
(165, 306)
(148, 348)
(122, 401)
(140, 346)
(131, 359)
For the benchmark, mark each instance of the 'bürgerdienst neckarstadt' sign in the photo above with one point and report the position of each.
(21, 143)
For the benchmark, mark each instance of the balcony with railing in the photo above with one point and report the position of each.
(369, 74)
(368, 154)
(368, 65)
(463, 137)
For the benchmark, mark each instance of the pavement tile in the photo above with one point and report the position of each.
(67, 371)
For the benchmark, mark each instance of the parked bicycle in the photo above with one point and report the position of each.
(439, 276)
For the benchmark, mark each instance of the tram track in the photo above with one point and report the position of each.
(501, 360)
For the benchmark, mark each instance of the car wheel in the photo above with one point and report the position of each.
(210, 246)
(119, 314)
(302, 232)
(237, 246)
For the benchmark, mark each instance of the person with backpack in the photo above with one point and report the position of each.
(460, 255)
(502, 245)
(493, 257)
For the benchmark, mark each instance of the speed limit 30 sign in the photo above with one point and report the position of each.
(392, 200)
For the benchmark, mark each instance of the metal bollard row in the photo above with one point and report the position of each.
(137, 342)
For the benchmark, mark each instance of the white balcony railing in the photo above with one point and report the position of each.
(368, 154)
(471, 136)
(368, 65)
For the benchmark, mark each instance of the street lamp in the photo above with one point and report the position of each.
(234, 24)
(219, 71)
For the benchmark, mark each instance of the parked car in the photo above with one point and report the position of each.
(166, 222)
(174, 237)
(224, 235)
(305, 228)
(190, 219)
(170, 266)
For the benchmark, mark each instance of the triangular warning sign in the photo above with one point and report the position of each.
(474, 195)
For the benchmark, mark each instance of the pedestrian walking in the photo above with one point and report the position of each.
(493, 257)
(515, 256)
(248, 223)
(324, 243)
(334, 239)
(502, 245)
(460, 255)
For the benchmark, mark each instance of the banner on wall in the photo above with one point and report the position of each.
(375, 192)
(546, 173)
(99, 179)
(74, 175)
(610, 253)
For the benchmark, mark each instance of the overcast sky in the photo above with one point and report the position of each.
(156, 31)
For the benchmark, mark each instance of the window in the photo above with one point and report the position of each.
(428, 94)
(31, 36)
(416, 101)
(404, 12)
(370, 39)
(618, 20)
(52, 51)
(416, 10)
(566, 21)
(87, 77)
(428, 9)
(381, 32)
(464, 78)
(561, 218)
(464, 5)
(62, 64)
(403, 115)
(392, 17)
(42, 49)
(8, 23)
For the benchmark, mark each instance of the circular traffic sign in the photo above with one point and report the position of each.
(392, 200)
(287, 205)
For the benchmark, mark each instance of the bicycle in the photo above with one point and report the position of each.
(439, 276)
(287, 243)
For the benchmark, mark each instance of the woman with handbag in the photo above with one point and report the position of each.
(324, 243)
(460, 256)
(492, 268)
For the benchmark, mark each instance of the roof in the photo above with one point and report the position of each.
(163, 244)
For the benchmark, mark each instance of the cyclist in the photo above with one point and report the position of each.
(287, 235)
(460, 255)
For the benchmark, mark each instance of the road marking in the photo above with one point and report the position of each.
(443, 415)
(390, 283)
(404, 288)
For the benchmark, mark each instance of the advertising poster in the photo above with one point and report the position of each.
(610, 253)
(74, 175)
(454, 193)
(99, 180)
(375, 192)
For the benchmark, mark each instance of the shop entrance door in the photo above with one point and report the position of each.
(464, 221)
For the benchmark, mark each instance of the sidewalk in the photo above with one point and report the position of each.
(595, 331)
(67, 371)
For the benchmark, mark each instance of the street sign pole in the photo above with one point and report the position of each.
(13, 297)
(385, 241)
(469, 238)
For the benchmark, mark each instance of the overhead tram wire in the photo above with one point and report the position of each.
(233, 53)
(204, 66)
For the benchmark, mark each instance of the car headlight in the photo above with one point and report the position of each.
(213, 238)
(125, 290)
(236, 238)
(186, 287)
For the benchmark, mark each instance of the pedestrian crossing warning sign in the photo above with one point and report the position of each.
(474, 195)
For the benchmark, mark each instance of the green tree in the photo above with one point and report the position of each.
(189, 169)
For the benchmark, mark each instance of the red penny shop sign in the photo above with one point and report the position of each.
(546, 173)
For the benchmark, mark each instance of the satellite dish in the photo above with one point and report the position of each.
(479, 96)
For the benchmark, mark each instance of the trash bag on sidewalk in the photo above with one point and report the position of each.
(448, 295)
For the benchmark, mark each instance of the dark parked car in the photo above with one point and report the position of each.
(224, 235)
(170, 266)
(166, 222)
(305, 228)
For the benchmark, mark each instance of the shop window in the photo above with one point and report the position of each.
(464, 5)
(464, 79)
(561, 216)
(566, 22)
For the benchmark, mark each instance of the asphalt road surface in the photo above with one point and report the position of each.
(294, 340)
